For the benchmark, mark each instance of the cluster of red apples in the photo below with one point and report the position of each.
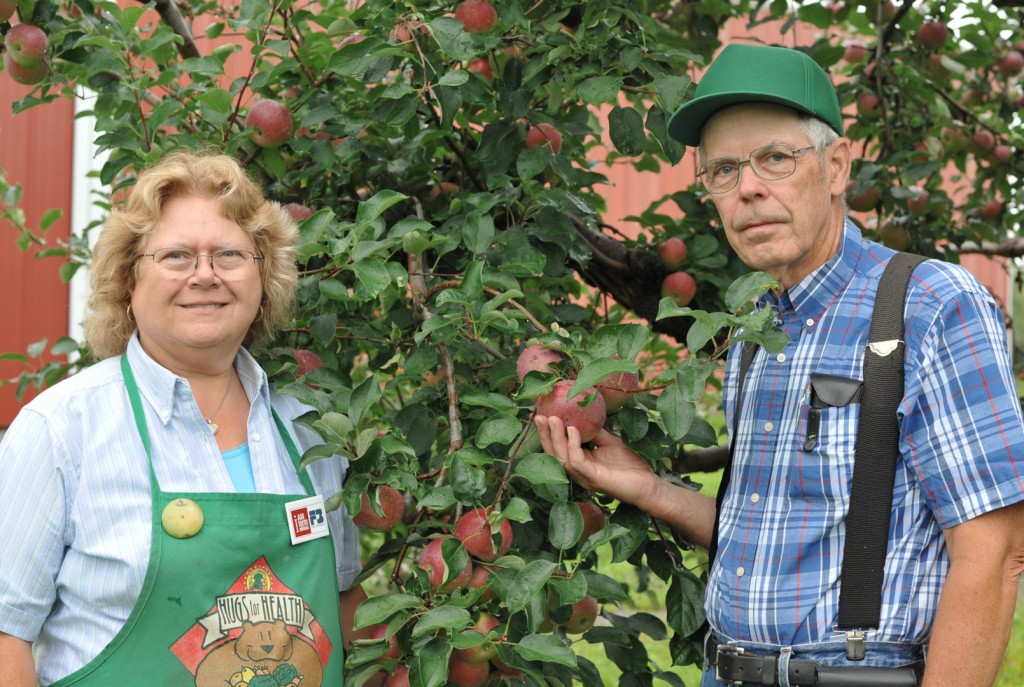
(24, 49)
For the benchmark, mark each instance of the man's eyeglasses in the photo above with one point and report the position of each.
(185, 261)
(771, 163)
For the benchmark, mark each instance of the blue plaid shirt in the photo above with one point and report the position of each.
(777, 576)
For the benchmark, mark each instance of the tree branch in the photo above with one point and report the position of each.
(169, 12)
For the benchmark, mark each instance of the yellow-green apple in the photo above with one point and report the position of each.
(585, 411)
(271, 123)
(392, 505)
(182, 518)
(474, 530)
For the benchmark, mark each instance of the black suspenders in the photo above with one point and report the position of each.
(867, 522)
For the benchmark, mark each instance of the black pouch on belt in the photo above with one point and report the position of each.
(863, 676)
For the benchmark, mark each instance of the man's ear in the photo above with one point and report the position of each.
(837, 165)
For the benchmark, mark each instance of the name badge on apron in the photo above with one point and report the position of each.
(307, 519)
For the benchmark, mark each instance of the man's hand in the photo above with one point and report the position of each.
(613, 468)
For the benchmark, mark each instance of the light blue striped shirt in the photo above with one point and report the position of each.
(75, 522)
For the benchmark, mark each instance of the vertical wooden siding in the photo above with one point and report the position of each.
(35, 151)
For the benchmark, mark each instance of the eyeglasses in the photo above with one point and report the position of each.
(185, 261)
(771, 163)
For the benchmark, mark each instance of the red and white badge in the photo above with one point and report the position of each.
(307, 519)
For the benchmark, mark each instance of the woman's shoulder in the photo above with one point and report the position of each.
(89, 386)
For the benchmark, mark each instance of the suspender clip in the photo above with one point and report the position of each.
(855, 645)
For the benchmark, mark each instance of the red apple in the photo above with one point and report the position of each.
(432, 560)
(481, 577)
(855, 52)
(933, 63)
(983, 141)
(584, 613)
(871, 10)
(351, 39)
(1002, 152)
(484, 652)
(26, 44)
(536, 358)
(869, 105)
(917, 204)
(25, 75)
(463, 674)
(392, 505)
(380, 632)
(672, 253)
(588, 419)
(991, 210)
(932, 34)
(594, 519)
(1011, 64)
(894, 235)
(473, 529)
(477, 15)
(307, 361)
(297, 211)
(618, 389)
(544, 134)
(680, 287)
(481, 66)
(402, 33)
(7, 9)
(271, 123)
(399, 678)
(865, 201)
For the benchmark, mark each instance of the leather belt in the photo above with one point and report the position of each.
(735, 666)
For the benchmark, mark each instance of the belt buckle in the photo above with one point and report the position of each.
(725, 649)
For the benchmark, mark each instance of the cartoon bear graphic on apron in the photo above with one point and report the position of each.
(248, 600)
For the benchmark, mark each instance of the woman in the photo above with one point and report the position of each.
(156, 528)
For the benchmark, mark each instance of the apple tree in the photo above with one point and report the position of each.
(457, 269)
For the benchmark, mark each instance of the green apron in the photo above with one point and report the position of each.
(235, 605)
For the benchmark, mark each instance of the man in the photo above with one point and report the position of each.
(769, 130)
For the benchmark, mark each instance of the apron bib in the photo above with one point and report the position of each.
(235, 605)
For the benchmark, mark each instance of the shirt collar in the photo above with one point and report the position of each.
(813, 295)
(161, 387)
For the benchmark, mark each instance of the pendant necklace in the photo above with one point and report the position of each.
(209, 422)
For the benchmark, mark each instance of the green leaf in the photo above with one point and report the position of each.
(600, 89)
(671, 89)
(528, 583)
(379, 609)
(498, 430)
(547, 648)
(372, 277)
(429, 668)
(452, 38)
(363, 398)
(370, 210)
(48, 218)
(676, 412)
(449, 618)
(636, 523)
(478, 232)
(626, 129)
(748, 288)
(597, 371)
(684, 602)
(565, 525)
(532, 161)
(540, 468)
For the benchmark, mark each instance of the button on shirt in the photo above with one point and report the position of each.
(777, 574)
(75, 487)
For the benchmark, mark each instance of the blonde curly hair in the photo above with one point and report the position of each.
(108, 325)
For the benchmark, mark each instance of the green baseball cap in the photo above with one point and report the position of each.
(745, 73)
